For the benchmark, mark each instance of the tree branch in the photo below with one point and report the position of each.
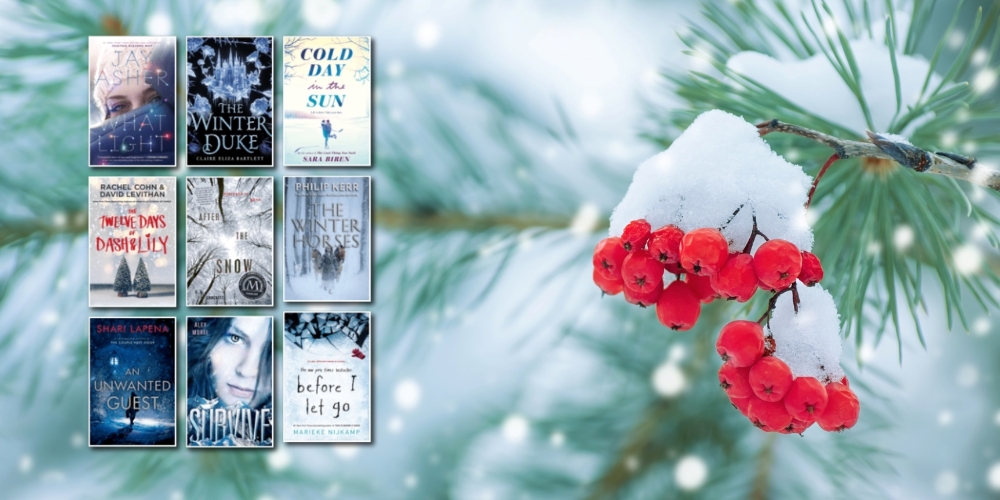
(898, 149)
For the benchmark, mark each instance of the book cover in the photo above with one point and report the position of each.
(230, 101)
(133, 248)
(327, 239)
(230, 241)
(229, 381)
(133, 96)
(327, 377)
(327, 101)
(132, 382)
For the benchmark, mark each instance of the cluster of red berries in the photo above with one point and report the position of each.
(762, 388)
(634, 263)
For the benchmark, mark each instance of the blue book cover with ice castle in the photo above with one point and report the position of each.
(230, 101)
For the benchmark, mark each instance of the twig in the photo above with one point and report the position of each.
(819, 176)
(891, 147)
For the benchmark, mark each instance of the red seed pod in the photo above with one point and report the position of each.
(797, 426)
(607, 285)
(777, 264)
(735, 381)
(643, 299)
(741, 404)
(812, 270)
(741, 343)
(678, 306)
(770, 379)
(842, 408)
(665, 244)
(608, 257)
(770, 416)
(737, 279)
(642, 272)
(704, 251)
(806, 398)
(635, 235)
(702, 287)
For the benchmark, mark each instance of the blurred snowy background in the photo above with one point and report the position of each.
(506, 132)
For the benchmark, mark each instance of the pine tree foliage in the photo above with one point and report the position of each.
(446, 235)
(123, 277)
(141, 282)
(874, 278)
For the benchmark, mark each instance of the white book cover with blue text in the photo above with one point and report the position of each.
(327, 377)
(327, 101)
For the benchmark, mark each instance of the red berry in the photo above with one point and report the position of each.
(704, 251)
(770, 416)
(740, 404)
(812, 270)
(770, 379)
(797, 426)
(737, 279)
(635, 235)
(777, 264)
(642, 272)
(608, 257)
(678, 306)
(702, 287)
(806, 398)
(643, 299)
(735, 381)
(741, 343)
(665, 244)
(674, 268)
(608, 285)
(842, 408)
(845, 381)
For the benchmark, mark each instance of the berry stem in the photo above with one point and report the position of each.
(753, 236)
(834, 157)
(731, 217)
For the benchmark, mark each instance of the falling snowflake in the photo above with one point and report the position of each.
(194, 43)
(207, 51)
(190, 70)
(407, 394)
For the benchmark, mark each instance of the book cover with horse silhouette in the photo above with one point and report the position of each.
(327, 239)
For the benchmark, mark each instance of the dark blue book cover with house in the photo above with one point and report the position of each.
(132, 382)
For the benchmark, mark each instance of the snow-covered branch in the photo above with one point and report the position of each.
(894, 147)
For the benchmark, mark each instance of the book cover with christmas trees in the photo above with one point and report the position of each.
(133, 97)
(327, 101)
(230, 241)
(230, 384)
(132, 235)
(132, 382)
(230, 101)
(327, 373)
(327, 239)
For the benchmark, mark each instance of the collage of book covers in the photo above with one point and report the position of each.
(216, 370)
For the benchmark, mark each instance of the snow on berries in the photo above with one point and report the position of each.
(800, 371)
(723, 216)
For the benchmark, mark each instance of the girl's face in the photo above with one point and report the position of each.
(236, 361)
(125, 98)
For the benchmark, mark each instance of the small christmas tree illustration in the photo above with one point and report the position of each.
(123, 279)
(141, 283)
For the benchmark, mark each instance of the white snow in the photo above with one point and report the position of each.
(668, 380)
(809, 340)
(716, 166)
(814, 84)
(690, 473)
